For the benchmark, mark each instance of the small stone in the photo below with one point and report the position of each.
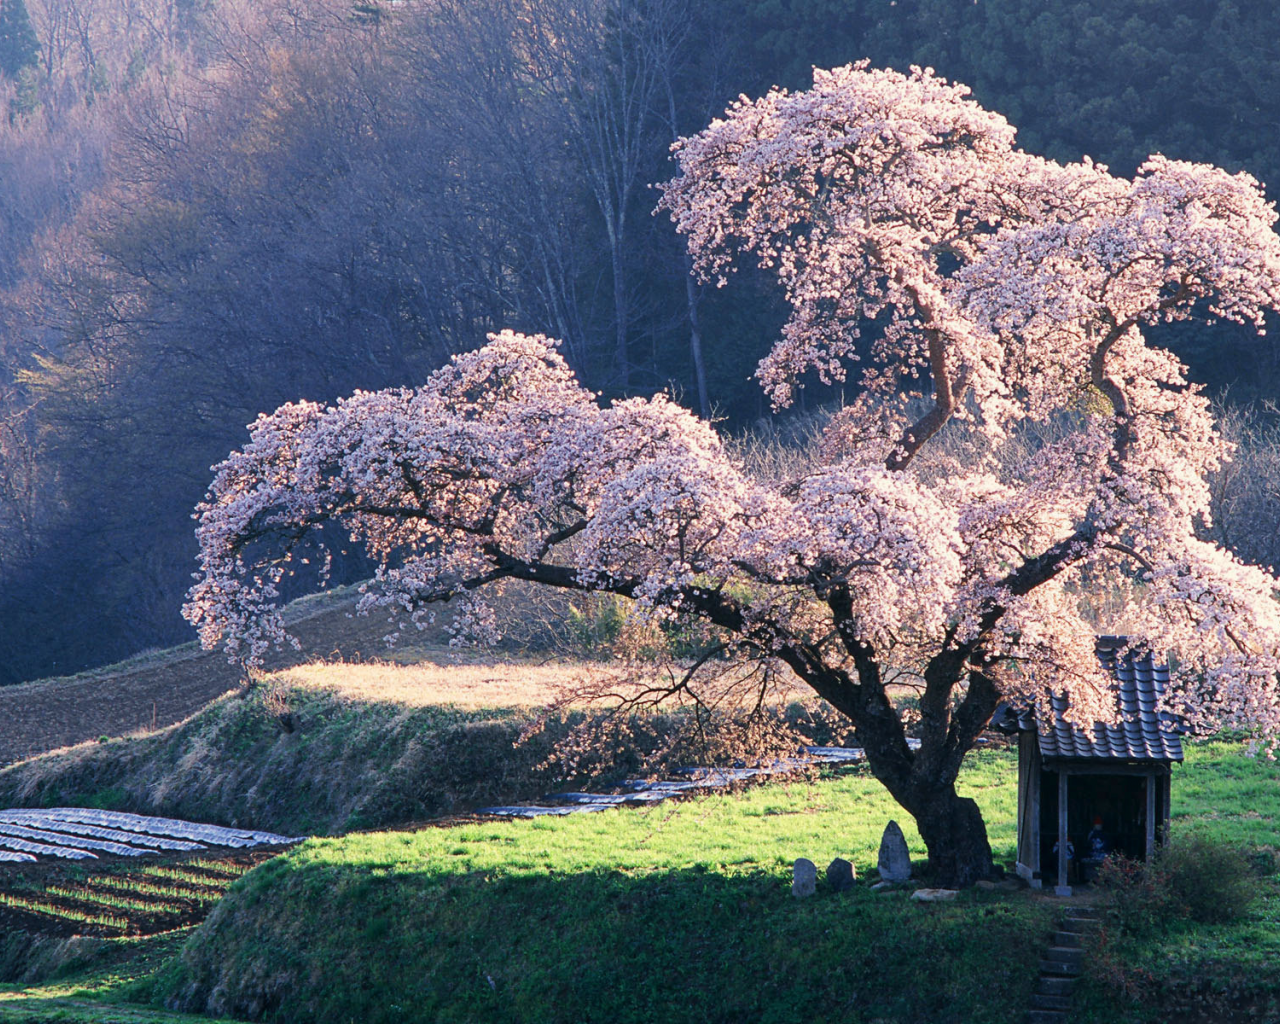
(895, 858)
(841, 875)
(804, 878)
(984, 884)
(934, 895)
(884, 886)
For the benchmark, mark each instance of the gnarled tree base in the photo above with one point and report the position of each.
(956, 838)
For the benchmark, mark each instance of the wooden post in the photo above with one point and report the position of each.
(1062, 888)
(1151, 817)
(1028, 865)
(1165, 793)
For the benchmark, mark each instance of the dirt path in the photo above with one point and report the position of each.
(157, 692)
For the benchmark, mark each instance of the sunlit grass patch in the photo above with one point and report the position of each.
(469, 687)
(680, 911)
(42, 907)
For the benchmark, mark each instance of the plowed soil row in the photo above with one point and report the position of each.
(63, 900)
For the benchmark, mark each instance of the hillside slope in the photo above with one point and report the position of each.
(161, 688)
(319, 749)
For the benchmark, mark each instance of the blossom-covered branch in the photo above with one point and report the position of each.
(1007, 290)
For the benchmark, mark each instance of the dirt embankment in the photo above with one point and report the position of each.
(153, 691)
(295, 761)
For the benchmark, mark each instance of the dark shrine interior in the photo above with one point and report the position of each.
(1119, 800)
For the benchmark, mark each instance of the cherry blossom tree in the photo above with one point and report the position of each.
(1005, 290)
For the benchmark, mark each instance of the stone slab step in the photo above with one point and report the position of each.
(1059, 968)
(1067, 954)
(1069, 939)
(1046, 1017)
(1055, 986)
(1043, 1002)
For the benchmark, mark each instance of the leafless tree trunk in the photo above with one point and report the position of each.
(596, 58)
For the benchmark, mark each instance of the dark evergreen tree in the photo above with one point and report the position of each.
(19, 47)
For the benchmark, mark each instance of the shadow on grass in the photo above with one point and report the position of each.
(325, 942)
(45, 1009)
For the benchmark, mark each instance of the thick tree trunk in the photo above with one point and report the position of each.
(956, 838)
(922, 781)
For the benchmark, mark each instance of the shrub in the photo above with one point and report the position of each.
(1192, 878)
(1208, 881)
(595, 625)
(1135, 895)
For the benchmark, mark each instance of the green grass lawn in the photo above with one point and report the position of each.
(93, 994)
(677, 912)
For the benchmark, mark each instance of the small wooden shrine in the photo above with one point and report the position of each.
(1105, 787)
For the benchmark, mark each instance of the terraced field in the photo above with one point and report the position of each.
(337, 647)
(116, 899)
(156, 690)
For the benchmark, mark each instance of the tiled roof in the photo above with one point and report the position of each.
(1142, 734)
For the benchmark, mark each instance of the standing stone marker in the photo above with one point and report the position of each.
(804, 878)
(840, 875)
(895, 859)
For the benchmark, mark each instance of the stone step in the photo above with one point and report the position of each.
(1069, 939)
(1059, 968)
(1046, 1017)
(1078, 925)
(1043, 1002)
(1050, 985)
(1066, 954)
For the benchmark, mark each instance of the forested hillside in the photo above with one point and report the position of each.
(211, 207)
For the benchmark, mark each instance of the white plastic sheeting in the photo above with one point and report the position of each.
(80, 833)
(640, 791)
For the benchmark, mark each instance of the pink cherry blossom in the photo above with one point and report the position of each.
(1014, 291)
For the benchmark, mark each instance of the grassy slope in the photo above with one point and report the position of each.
(674, 913)
(683, 913)
(347, 760)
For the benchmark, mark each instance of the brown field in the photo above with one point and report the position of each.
(158, 689)
(340, 652)
(511, 684)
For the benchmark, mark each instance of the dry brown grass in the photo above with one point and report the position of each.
(498, 684)
(510, 684)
